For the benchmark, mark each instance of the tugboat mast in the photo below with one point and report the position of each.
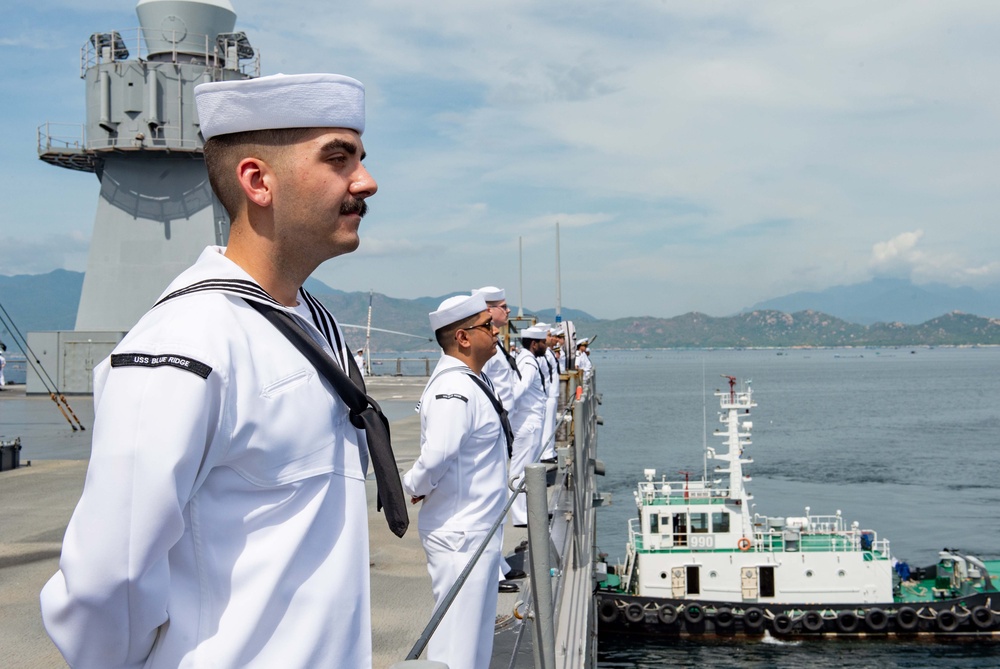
(735, 405)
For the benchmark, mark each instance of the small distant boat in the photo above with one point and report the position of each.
(697, 563)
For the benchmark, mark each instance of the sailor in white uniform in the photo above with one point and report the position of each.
(503, 373)
(460, 476)
(223, 522)
(551, 368)
(527, 422)
(583, 362)
(501, 368)
(560, 348)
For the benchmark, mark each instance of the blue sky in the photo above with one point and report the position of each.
(698, 156)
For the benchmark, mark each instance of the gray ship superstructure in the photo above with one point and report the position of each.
(156, 211)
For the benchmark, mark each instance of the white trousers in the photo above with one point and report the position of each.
(464, 639)
(526, 450)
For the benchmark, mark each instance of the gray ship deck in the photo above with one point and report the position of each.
(36, 502)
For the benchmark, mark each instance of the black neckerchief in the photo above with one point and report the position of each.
(510, 359)
(365, 413)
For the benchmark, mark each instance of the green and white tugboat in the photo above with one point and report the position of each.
(698, 562)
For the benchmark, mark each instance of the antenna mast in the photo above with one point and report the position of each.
(520, 279)
(368, 337)
(558, 280)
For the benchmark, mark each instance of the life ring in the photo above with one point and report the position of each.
(947, 621)
(876, 619)
(907, 619)
(724, 617)
(753, 618)
(743, 544)
(694, 614)
(607, 611)
(982, 617)
(666, 614)
(782, 623)
(812, 621)
(635, 613)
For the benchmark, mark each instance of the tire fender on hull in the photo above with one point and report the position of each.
(635, 613)
(782, 623)
(907, 618)
(753, 618)
(666, 614)
(948, 621)
(847, 621)
(694, 614)
(724, 617)
(876, 619)
(812, 621)
(607, 611)
(982, 617)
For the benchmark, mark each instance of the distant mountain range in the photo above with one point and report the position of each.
(882, 312)
(886, 300)
(39, 302)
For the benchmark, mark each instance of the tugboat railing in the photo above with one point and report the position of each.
(772, 541)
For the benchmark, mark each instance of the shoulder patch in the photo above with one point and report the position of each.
(148, 360)
(452, 396)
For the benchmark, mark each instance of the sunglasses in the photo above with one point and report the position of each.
(488, 326)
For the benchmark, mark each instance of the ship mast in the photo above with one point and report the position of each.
(735, 405)
(558, 281)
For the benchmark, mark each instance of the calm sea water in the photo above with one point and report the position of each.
(907, 443)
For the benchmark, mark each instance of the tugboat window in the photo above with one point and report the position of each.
(699, 523)
(680, 529)
(654, 523)
(693, 581)
(720, 522)
(766, 579)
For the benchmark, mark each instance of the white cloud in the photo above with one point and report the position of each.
(711, 154)
(899, 251)
(900, 257)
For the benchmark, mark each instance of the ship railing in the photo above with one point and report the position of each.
(808, 540)
(122, 45)
(673, 492)
(158, 140)
(827, 524)
(634, 533)
(400, 366)
(71, 138)
(574, 536)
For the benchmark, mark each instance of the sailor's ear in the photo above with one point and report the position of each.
(462, 339)
(256, 178)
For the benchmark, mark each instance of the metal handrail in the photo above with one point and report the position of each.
(441, 610)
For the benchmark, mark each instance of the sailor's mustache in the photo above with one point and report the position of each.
(354, 206)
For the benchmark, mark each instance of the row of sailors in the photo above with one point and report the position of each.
(223, 522)
(484, 415)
